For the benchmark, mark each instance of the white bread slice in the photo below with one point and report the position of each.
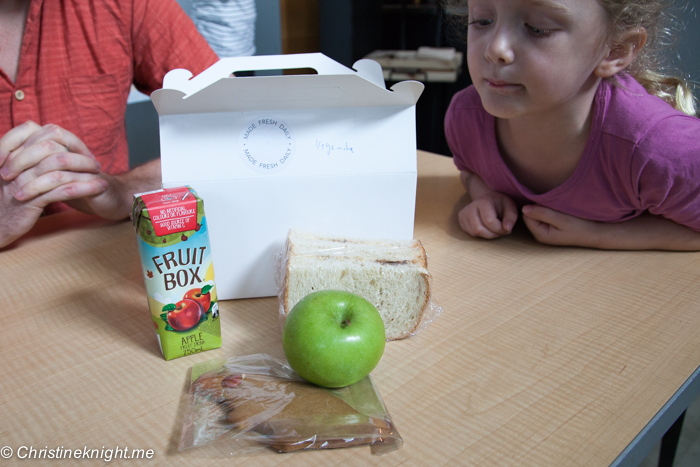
(392, 275)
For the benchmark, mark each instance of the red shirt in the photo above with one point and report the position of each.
(78, 61)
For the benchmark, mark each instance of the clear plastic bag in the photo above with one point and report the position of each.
(257, 402)
(392, 275)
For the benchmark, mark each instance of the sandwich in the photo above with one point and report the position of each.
(392, 275)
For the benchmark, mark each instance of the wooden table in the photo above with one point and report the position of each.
(543, 356)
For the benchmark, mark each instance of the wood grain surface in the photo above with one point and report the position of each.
(542, 356)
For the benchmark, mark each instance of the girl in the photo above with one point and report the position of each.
(563, 119)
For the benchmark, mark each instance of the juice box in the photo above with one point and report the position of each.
(173, 242)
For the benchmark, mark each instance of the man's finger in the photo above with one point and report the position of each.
(61, 136)
(15, 138)
(51, 181)
(71, 191)
(66, 161)
(30, 156)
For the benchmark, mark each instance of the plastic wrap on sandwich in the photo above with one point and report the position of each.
(392, 275)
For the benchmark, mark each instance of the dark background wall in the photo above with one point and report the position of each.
(351, 29)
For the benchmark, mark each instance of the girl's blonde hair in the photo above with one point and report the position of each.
(648, 68)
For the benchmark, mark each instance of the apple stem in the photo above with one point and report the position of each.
(345, 323)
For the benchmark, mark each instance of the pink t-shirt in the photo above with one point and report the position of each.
(641, 155)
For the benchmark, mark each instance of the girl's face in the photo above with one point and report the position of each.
(533, 56)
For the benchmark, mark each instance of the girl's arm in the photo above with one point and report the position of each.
(646, 232)
(474, 185)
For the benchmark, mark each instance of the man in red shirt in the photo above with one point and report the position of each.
(66, 68)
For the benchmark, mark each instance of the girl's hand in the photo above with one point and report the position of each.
(556, 228)
(646, 232)
(492, 215)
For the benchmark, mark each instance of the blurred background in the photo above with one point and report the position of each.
(348, 30)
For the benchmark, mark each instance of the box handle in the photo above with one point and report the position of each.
(182, 80)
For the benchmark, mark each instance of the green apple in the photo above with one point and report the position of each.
(333, 338)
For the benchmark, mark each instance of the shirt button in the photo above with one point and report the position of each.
(19, 95)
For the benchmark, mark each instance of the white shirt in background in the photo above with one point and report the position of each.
(228, 25)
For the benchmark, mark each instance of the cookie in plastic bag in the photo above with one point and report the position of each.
(257, 402)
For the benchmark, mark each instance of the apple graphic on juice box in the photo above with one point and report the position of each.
(189, 311)
(333, 338)
(186, 314)
(201, 296)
